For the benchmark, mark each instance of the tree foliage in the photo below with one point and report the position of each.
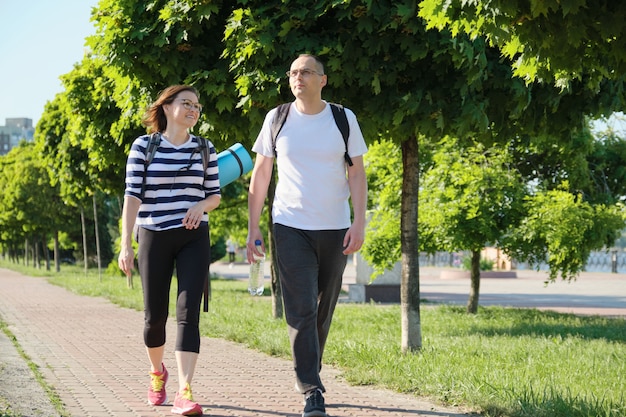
(62, 153)
(562, 229)
(470, 197)
(92, 113)
(383, 167)
(607, 166)
(556, 41)
(415, 81)
(163, 43)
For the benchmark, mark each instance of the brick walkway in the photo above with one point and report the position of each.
(92, 353)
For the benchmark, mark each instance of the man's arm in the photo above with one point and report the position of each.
(357, 181)
(259, 183)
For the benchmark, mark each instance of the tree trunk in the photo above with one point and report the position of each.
(36, 262)
(277, 294)
(46, 252)
(84, 227)
(472, 302)
(57, 261)
(410, 282)
(95, 221)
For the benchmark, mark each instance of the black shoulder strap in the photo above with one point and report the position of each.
(203, 144)
(341, 120)
(278, 121)
(153, 145)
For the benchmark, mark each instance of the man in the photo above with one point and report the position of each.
(311, 214)
(231, 248)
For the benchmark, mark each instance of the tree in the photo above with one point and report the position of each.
(470, 198)
(65, 160)
(30, 208)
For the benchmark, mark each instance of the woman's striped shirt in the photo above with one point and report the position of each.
(174, 181)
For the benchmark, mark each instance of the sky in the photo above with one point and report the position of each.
(40, 40)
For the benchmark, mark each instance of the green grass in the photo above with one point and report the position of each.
(500, 362)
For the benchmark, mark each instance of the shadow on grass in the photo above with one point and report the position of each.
(529, 322)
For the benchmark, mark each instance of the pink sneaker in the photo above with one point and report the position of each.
(184, 404)
(156, 392)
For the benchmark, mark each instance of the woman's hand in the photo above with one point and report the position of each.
(126, 260)
(193, 217)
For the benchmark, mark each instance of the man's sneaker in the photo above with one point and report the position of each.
(184, 404)
(156, 393)
(314, 405)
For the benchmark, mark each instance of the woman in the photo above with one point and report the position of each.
(169, 213)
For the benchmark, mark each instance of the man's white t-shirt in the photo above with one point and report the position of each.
(312, 191)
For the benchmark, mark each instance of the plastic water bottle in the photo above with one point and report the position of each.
(257, 272)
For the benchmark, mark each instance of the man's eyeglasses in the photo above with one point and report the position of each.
(188, 105)
(305, 72)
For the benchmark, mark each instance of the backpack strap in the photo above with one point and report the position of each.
(151, 149)
(341, 120)
(278, 121)
(203, 144)
(339, 114)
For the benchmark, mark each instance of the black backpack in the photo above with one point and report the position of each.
(339, 113)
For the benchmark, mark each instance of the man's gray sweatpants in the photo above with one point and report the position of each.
(310, 266)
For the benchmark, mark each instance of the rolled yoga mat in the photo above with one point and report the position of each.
(233, 163)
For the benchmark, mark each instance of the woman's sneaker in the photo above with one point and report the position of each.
(156, 392)
(314, 405)
(184, 404)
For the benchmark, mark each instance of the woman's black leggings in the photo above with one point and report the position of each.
(159, 252)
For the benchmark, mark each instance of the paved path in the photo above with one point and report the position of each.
(92, 353)
(592, 293)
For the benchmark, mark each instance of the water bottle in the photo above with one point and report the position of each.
(257, 272)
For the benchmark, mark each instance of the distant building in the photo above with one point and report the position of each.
(16, 129)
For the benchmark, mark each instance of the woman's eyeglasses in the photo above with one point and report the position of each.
(188, 105)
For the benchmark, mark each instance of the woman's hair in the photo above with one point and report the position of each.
(154, 118)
